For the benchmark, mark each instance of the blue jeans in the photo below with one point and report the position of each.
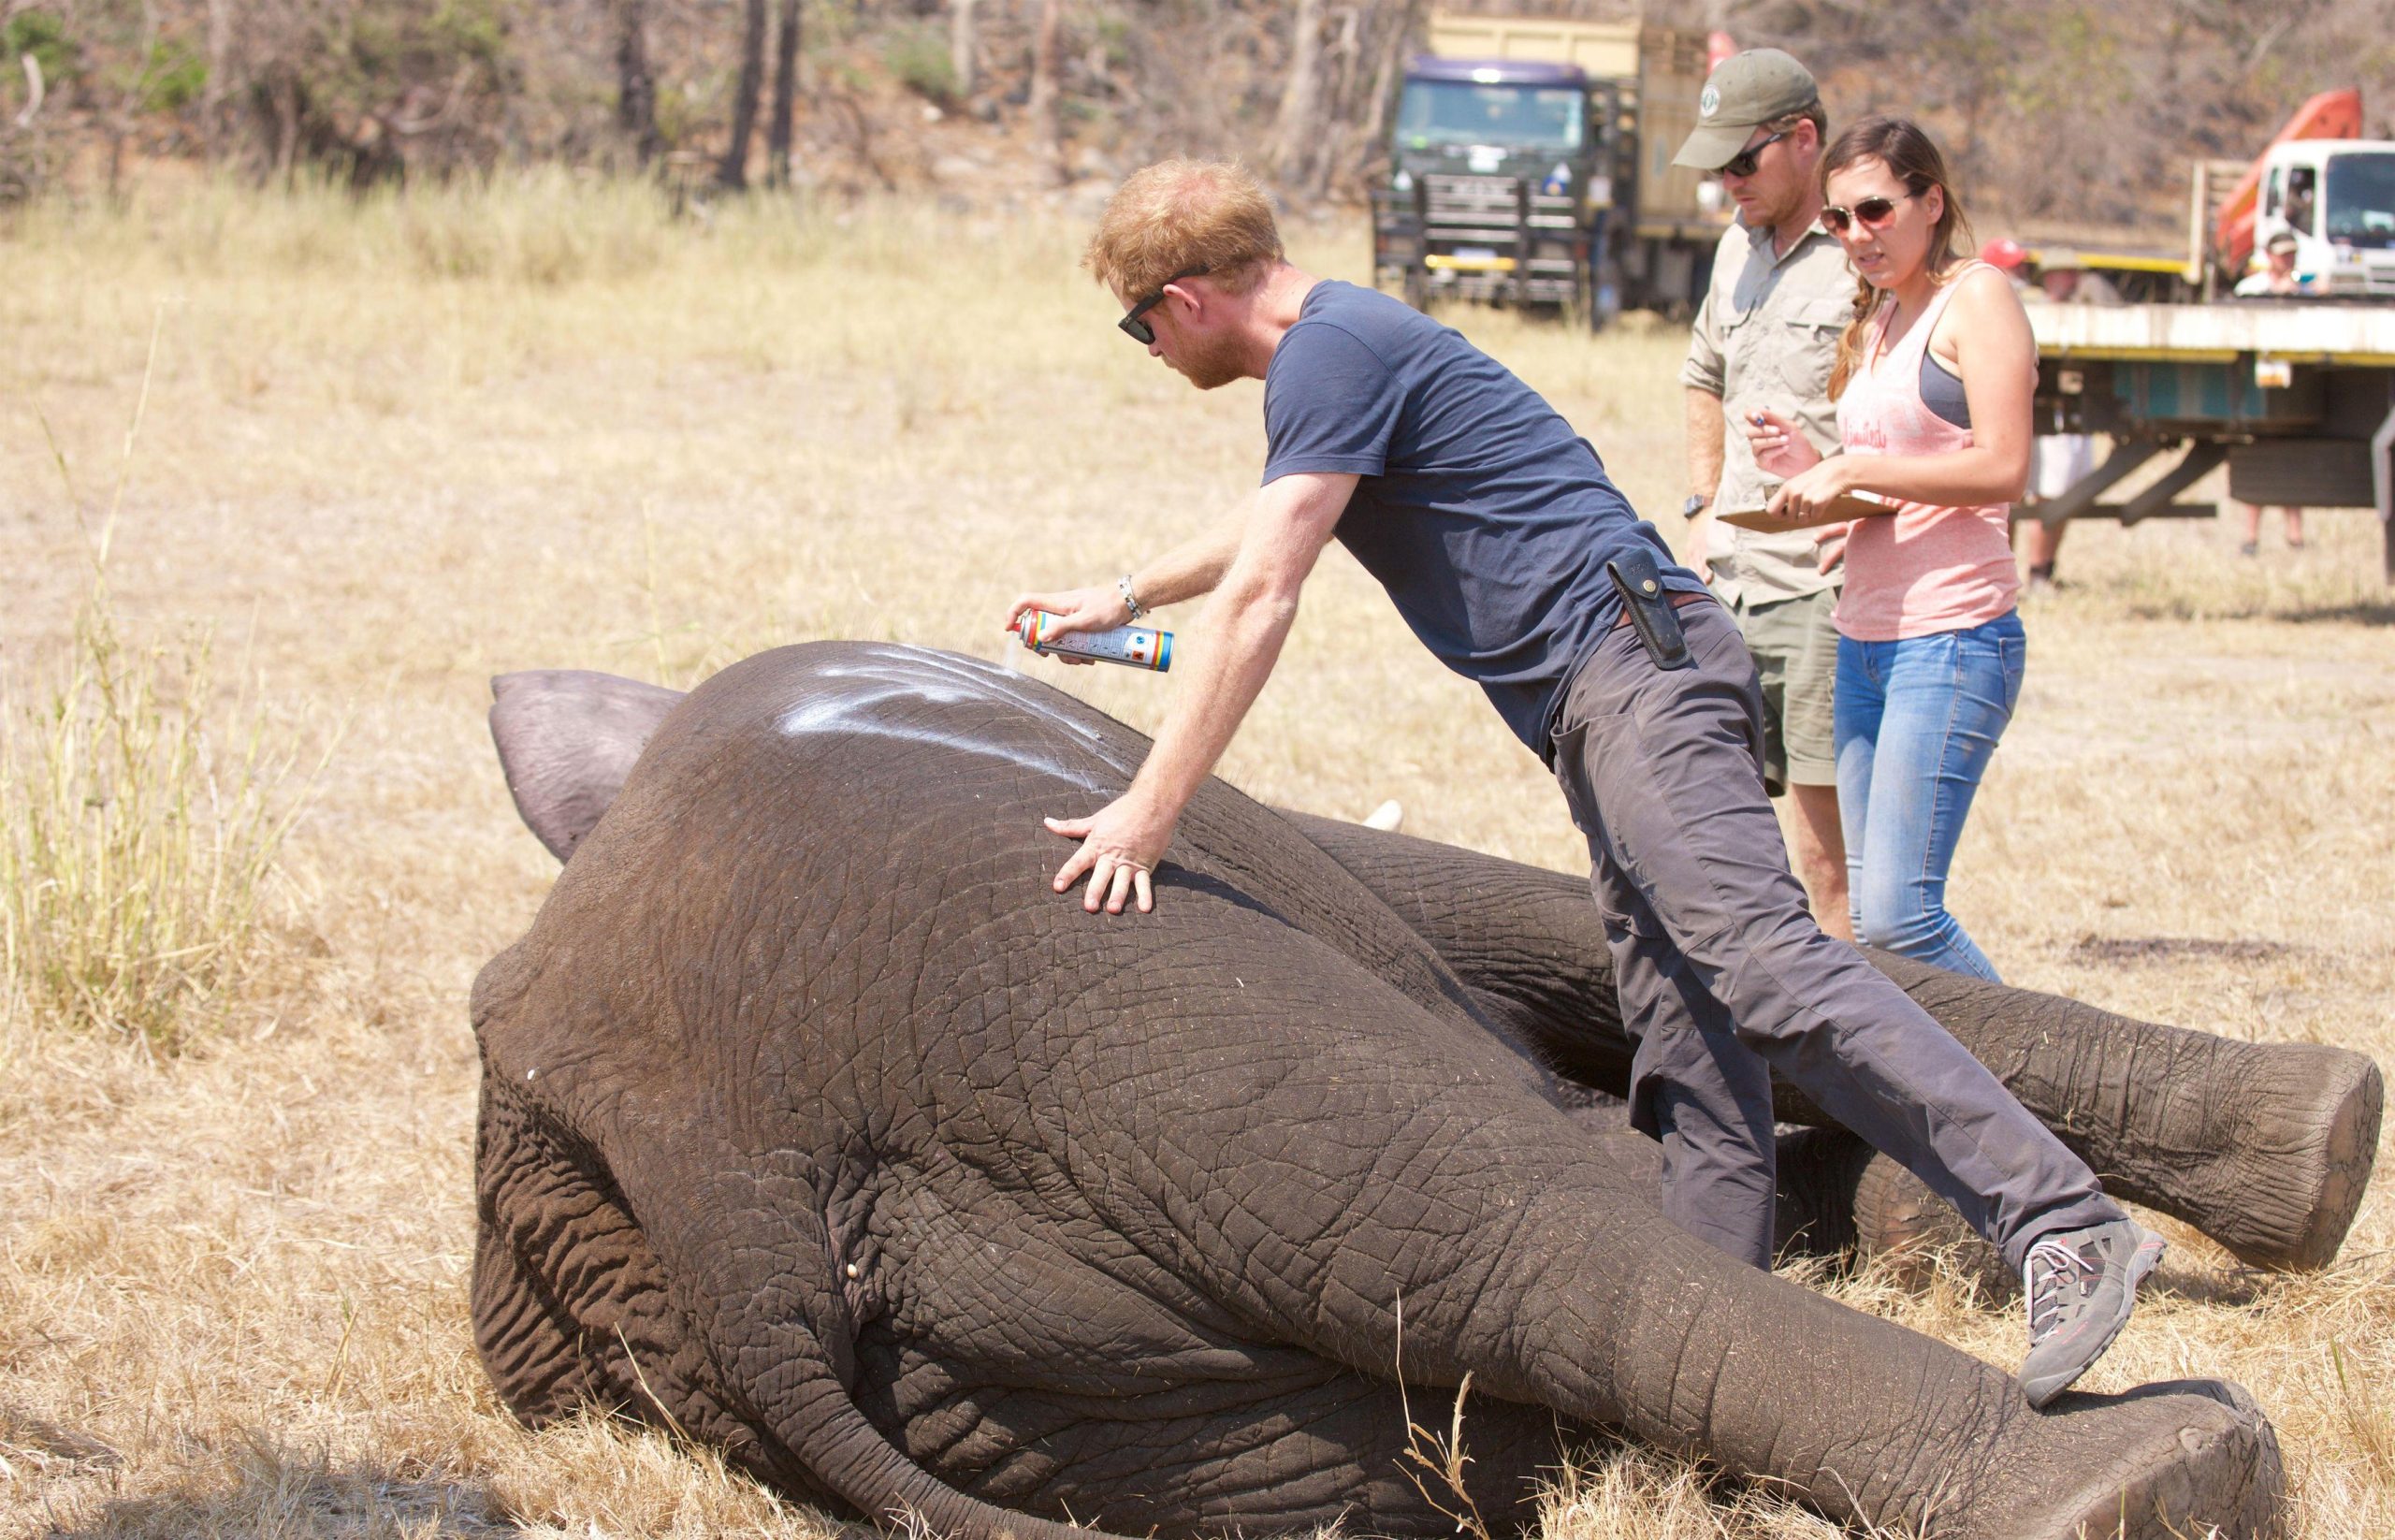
(1917, 722)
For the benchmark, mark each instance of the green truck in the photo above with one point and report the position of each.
(1531, 165)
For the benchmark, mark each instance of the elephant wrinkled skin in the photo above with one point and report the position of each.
(816, 1125)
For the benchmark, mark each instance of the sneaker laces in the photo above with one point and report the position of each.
(2047, 1294)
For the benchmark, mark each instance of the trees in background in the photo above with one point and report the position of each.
(732, 171)
(2082, 110)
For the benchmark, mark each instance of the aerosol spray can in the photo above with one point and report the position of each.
(1134, 647)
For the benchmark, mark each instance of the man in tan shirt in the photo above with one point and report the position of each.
(1765, 337)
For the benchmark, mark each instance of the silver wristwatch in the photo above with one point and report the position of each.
(1130, 600)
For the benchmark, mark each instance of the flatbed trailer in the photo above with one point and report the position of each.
(2296, 397)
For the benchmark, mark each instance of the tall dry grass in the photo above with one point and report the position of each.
(137, 845)
(402, 445)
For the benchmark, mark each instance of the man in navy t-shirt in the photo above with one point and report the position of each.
(1512, 556)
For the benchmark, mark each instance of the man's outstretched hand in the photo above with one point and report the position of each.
(1076, 609)
(1120, 844)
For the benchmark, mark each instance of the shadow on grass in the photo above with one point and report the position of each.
(2367, 612)
(274, 1489)
(2134, 950)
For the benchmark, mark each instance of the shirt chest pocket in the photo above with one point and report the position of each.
(1808, 334)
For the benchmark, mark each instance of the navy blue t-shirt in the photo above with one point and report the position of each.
(1486, 517)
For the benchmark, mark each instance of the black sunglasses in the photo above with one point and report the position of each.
(1872, 211)
(1140, 332)
(1743, 162)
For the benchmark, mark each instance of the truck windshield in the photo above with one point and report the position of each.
(1436, 112)
(2361, 199)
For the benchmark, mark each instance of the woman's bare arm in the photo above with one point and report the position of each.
(1996, 358)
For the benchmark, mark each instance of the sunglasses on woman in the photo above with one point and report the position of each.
(1133, 320)
(1874, 212)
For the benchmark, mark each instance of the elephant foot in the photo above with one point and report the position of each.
(2317, 1149)
(1840, 1198)
(2212, 1467)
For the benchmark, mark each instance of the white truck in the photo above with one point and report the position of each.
(2317, 179)
(2337, 197)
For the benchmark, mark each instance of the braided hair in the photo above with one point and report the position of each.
(1905, 149)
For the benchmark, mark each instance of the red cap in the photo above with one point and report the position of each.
(2004, 252)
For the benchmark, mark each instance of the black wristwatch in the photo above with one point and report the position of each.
(1696, 503)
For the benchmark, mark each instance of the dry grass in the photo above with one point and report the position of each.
(402, 447)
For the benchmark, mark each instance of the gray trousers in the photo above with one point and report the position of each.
(1724, 978)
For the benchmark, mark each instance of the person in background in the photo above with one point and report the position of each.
(2056, 460)
(2276, 278)
(1767, 332)
(1934, 381)
(2300, 187)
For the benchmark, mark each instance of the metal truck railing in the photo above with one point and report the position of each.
(1483, 238)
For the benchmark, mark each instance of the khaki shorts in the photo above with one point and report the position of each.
(1795, 651)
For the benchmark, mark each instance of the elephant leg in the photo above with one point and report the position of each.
(2265, 1147)
(1836, 1198)
(1840, 1198)
(1292, 1443)
(1364, 1158)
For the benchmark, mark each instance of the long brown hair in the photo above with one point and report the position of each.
(1902, 146)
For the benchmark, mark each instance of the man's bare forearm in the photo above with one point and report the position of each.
(1194, 566)
(1706, 424)
(1245, 624)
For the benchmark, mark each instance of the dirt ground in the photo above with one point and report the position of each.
(390, 450)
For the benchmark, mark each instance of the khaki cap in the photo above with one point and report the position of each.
(1749, 88)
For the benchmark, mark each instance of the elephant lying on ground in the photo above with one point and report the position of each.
(2267, 1148)
(815, 1124)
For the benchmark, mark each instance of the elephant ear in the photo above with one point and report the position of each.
(567, 740)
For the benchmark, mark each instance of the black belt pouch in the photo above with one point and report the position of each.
(1651, 615)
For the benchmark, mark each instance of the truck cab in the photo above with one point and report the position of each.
(1530, 163)
(2338, 198)
(1503, 165)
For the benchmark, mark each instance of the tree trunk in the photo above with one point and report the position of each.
(635, 87)
(220, 66)
(778, 126)
(733, 172)
(1044, 71)
(1384, 78)
(1297, 132)
(286, 127)
(961, 47)
(1335, 148)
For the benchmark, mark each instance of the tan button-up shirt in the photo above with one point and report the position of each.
(1766, 337)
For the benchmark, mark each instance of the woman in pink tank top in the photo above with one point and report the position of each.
(1934, 383)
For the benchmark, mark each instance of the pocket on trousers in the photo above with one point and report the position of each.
(2015, 653)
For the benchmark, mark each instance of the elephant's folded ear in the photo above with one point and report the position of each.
(567, 740)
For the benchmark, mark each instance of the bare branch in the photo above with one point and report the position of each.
(34, 93)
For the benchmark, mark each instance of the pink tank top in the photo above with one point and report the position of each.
(1924, 569)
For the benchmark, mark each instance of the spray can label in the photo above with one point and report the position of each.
(1134, 647)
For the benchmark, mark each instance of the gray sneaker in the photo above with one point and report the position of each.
(2080, 1286)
